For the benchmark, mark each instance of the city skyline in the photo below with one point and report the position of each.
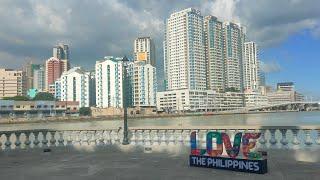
(281, 57)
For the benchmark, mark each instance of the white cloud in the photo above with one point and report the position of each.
(269, 67)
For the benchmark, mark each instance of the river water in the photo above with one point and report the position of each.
(261, 119)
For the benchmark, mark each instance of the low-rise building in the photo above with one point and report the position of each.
(34, 107)
(198, 101)
(255, 99)
(12, 83)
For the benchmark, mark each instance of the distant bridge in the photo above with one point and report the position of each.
(294, 106)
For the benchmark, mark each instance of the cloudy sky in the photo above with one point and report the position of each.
(287, 31)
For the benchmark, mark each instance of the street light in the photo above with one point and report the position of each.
(125, 140)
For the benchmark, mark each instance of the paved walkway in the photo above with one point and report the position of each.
(131, 162)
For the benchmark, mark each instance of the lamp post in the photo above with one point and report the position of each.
(125, 140)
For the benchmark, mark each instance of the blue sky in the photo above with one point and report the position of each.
(298, 60)
(287, 31)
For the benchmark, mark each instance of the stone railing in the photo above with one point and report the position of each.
(271, 136)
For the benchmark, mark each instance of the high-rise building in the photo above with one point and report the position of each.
(75, 85)
(144, 50)
(144, 84)
(29, 69)
(12, 83)
(109, 87)
(214, 39)
(39, 79)
(185, 65)
(250, 66)
(234, 37)
(54, 68)
(61, 51)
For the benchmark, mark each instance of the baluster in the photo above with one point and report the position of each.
(93, 140)
(18, 142)
(36, 141)
(295, 139)
(171, 136)
(163, 136)
(318, 137)
(108, 137)
(147, 137)
(141, 139)
(8, 142)
(77, 138)
(117, 136)
(134, 137)
(69, 139)
(262, 139)
(187, 136)
(156, 137)
(44, 140)
(101, 138)
(27, 142)
(180, 136)
(61, 140)
(273, 140)
(85, 139)
(308, 140)
(52, 138)
(284, 140)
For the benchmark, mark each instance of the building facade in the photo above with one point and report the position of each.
(39, 79)
(213, 31)
(61, 51)
(198, 101)
(185, 65)
(144, 84)
(251, 66)
(109, 87)
(12, 83)
(144, 50)
(54, 68)
(234, 37)
(75, 85)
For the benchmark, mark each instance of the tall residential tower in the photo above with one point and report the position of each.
(185, 64)
(213, 31)
(144, 50)
(250, 66)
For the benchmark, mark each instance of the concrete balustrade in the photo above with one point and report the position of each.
(271, 136)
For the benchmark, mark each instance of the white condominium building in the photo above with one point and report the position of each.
(250, 66)
(144, 50)
(185, 65)
(213, 31)
(144, 84)
(75, 86)
(233, 42)
(109, 75)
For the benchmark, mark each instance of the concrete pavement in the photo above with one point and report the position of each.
(132, 162)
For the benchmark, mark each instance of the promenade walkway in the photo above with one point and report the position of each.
(131, 162)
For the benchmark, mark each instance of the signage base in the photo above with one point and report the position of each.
(232, 164)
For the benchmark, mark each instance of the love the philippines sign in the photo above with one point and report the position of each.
(248, 161)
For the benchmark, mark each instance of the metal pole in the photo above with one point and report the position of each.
(125, 140)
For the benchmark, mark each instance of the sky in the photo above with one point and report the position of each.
(286, 31)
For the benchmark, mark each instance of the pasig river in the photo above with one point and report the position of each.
(260, 119)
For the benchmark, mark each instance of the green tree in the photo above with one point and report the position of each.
(44, 96)
(85, 111)
(17, 98)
